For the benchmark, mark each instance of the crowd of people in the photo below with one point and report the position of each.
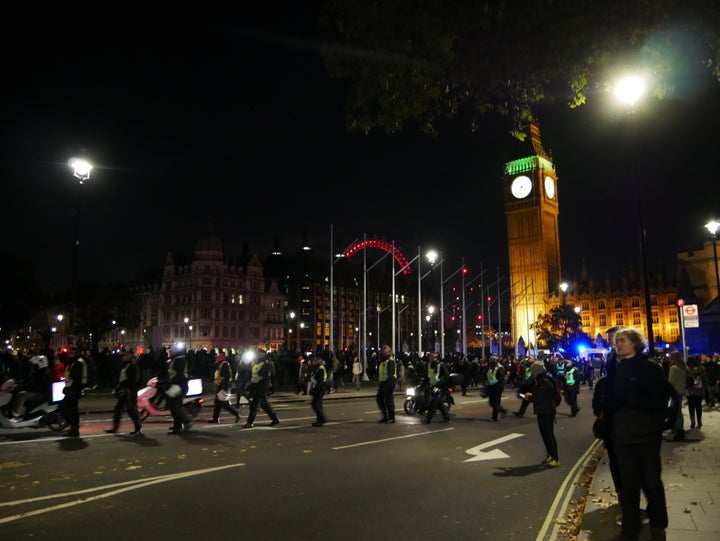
(636, 400)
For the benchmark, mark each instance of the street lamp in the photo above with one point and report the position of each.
(81, 170)
(628, 90)
(564, 287)
(713, 227)
(433, 256)
(187, 330)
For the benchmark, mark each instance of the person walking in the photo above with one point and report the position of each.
(387, 377)
(571, 387)
(242, 377)
(223, 376)
(541, 396)
(526, 383)
(495, 387)
(75, 381)
(438, 380)
(638, 410)
(126, 392)
(260, 383)
(318, 382)
(678, 378)
(357, 370)
(697, 386)
(177, 381)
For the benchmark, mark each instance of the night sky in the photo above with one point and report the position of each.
(192, 122)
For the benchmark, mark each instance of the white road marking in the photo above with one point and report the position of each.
(490, 455)
(120, 488)
(373, 442)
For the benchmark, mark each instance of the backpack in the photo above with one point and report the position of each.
(697, 386)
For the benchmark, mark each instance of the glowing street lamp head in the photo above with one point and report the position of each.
(81, 168)
(629, 89)
(432, 256)
(564, 287)
(712, 226)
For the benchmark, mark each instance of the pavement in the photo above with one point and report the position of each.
(691, 475)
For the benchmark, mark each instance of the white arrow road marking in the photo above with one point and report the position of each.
(490, 455)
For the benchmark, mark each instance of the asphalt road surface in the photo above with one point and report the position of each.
(351, 479)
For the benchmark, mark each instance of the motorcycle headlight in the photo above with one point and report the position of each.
(410, 392)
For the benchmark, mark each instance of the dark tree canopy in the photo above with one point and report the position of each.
(423, 61)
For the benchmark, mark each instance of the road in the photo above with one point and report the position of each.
(352, 478)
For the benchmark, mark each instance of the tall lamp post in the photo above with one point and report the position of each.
(434, 256)
(564, 287)
(713, 227)
(628, 91)
(81, 170)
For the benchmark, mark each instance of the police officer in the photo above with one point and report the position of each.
(437, 374)
(525, 386)
(75, 381)
(260, 382)
(387, 376)
(572, 386)
(495, 387)
(178, 387)
(223, 375)
(126, 394)
(318, 380)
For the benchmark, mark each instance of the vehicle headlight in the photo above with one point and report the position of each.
(410, 392)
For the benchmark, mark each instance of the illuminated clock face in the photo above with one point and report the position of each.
(550, 187)
(521, 187)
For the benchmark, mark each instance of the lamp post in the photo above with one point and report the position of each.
(628, 91)
(187, 331)
(433, 256)
(564, 287)
(713, 227)
(81, 170)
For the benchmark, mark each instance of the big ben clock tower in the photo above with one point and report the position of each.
(531, 210)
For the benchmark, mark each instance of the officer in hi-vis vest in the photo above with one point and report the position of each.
(387, 375)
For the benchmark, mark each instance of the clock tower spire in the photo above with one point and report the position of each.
(531, 211)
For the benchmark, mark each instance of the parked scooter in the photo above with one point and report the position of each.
(45, 414)
(151, 400)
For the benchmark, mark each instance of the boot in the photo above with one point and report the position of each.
(657, 534)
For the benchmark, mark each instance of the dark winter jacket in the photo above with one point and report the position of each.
(639, 401)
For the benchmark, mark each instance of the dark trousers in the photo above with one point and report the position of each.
(614, 466)
(219, 405)
(495, 399)
(180, 417)
(317, 405)
(640, 469)
(571, 399)
(386, 400)
(546, 425)
(70, 409)
(127, 403)
(695, 409)
(259, 401)
(436, 403)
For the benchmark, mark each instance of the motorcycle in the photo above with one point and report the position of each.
(418, 398)
(151, 400)
(44, 414)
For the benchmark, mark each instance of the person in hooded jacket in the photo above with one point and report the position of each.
(542, 397)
